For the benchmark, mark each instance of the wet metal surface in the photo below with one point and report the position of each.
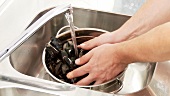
(156, 83)
(27, 59)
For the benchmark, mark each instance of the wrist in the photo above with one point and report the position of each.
(124, 55)
(118, 36)
(131, 29)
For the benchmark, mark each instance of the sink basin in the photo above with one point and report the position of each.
(27, 58)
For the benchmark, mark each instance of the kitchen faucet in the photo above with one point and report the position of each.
(34, 27)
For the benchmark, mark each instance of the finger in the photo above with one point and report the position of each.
(98, 82)
(78, 72)
(89, 44)
(84, 59)
(85, 81)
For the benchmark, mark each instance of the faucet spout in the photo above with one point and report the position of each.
(34, 27)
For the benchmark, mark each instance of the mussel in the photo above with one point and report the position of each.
(60, 59)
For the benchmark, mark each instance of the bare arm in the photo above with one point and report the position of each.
(104, 62)
(152, 46)
(151, 14)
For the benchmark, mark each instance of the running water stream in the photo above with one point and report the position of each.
(69, 17)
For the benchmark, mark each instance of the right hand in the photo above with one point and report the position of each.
(102, 64)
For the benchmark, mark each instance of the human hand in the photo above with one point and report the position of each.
(102, 63)
(102, 39)
(106, 38)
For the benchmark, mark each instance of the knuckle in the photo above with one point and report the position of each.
(96, 76)
(108, 78)
(88, 67)
(102, 77)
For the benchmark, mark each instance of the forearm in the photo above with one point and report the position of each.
(151, 14)
(153, 46)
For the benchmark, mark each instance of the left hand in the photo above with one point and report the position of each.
(102, 64)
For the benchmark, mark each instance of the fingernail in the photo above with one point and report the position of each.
(77, 61)
(82, 45)
(69, 75)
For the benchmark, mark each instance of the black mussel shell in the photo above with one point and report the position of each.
(61, 59)
(56, 43)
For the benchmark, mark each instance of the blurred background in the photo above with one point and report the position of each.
(15, 15)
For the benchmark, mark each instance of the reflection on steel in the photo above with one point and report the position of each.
(33, 28)
(82, 35)
(140, 78)
(36, 84)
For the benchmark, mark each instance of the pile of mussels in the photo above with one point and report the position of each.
(60, 59)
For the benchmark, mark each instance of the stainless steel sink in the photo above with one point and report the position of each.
(26, 60)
